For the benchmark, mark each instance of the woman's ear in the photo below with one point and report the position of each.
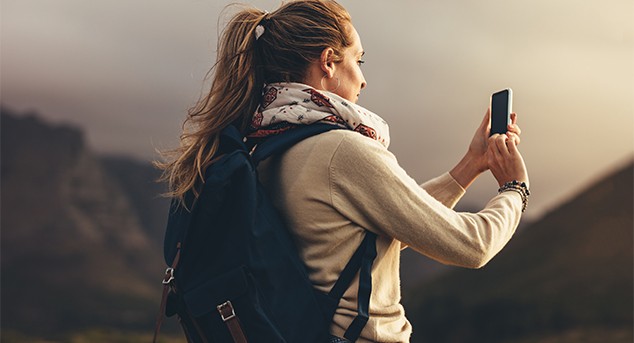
(326, 62)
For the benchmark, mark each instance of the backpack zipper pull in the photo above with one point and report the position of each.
(167, 281)
(169, 272)
(169, 276)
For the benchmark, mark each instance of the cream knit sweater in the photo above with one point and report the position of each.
(332, 187)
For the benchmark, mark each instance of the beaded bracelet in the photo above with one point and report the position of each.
(520, 188)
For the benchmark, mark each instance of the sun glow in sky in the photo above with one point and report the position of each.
(126, 71)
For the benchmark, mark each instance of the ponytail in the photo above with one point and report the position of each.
(233, 97)
(293, 37)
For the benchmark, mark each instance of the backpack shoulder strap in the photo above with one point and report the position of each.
(231, 139)
(361, 262)
(363, 258)
(283, 141)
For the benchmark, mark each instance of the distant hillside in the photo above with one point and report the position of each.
(82, 240)
(567, 278)
(137, 180)
(80, 235)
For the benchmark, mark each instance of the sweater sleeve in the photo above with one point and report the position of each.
(369, 187)
(445, 189)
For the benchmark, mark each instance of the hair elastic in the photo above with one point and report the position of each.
(259, 29)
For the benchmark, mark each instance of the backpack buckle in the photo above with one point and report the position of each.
(169, 276)
(253, 150)
(226, 311)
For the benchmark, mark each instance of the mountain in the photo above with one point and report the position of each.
(563, 278)
(80, 234)
(137, 180)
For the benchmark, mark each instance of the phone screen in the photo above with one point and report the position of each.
(500, 111)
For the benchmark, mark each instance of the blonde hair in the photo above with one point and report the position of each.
(294, 36)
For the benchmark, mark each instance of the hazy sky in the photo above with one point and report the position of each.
(126, 71)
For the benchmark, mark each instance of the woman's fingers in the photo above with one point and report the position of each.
(512, 147)
(497, 150)
(513, 127)
(515, 138)
(500, 141)
(505, 160)
(485, 125)
(486, 121)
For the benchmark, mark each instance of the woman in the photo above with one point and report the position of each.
(300, 65)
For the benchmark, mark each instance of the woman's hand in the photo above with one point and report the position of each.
(504, 159)
(514, 130)
(479, 143)
(476, 161)
(478, 147)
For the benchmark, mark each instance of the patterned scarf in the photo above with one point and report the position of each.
(288, 105)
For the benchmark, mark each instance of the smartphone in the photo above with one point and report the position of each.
(501, 108)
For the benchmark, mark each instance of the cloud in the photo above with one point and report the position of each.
(126, 72)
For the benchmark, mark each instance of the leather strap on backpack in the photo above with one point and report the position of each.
(167, 282)
(228, 315)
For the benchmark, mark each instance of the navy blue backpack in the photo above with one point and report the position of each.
(234, 273)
